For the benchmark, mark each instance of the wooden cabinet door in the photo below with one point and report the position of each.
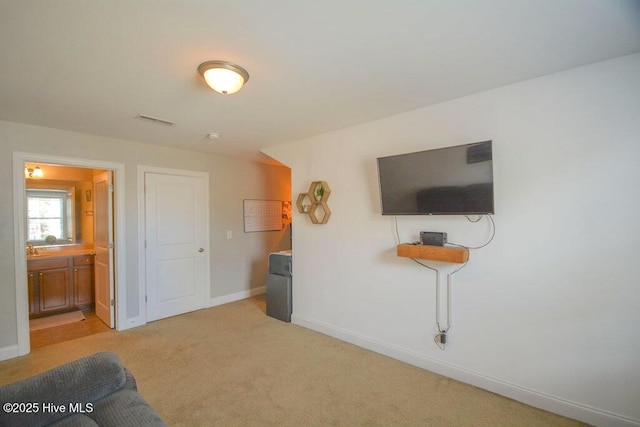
(83, 285)
(32, 284)
(53, 286)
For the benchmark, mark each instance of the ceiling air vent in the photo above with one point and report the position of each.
(155, 120)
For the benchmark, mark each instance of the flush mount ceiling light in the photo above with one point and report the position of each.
(223, 77)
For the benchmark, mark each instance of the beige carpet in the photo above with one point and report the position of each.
(233, 366)
(56, 320)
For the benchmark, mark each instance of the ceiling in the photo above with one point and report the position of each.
(315, 66)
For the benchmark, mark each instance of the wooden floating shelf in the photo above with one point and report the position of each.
(308, 203)
(434, 253)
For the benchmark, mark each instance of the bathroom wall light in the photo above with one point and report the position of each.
(33, 172)
(223, 77)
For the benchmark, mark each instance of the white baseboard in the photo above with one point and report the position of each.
(237, 296)
(577, 411)
(132, 322)
(9, 352)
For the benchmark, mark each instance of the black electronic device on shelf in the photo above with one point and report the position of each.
(433, 238)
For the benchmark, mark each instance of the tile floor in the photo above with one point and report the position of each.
(57, 334)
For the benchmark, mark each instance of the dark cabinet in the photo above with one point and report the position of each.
(60, 284)
(53, 290)
(83, 283)
(32, 283)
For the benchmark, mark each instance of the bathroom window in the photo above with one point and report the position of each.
(49, 216)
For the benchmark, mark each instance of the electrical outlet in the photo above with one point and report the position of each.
(229, 235)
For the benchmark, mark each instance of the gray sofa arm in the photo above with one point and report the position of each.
(76, 383)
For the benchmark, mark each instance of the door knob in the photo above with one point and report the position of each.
(201, 250)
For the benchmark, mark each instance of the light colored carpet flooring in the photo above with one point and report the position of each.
(232, 365)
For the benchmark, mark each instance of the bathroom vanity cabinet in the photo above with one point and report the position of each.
(60, 284)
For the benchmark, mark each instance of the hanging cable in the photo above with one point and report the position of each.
(438, 303)
(470, 220)
(493, 233)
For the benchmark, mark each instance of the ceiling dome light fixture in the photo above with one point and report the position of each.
(223, 77)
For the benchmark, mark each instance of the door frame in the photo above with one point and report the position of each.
(142, 253)
(19, 209)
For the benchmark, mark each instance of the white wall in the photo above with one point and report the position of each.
(548, 313)
(238, 266)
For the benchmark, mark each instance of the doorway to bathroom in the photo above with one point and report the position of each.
(65, 221)
(69, 225)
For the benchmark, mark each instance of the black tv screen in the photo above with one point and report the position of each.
(446, 181)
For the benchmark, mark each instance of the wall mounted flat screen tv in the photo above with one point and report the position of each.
(446, 181)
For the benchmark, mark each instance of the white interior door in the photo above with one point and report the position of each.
(103, 244)
(176, 260)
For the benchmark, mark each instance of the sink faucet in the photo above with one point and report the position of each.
(30, 249)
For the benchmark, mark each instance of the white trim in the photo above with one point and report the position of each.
(133, 322)
(584, 413)
(225, 299)
(20, 255)
(142, 264)
(9, 352)
(19, 191)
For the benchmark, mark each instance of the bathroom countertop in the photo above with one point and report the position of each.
(61, 254)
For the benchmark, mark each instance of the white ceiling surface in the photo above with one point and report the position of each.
(315, 66)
